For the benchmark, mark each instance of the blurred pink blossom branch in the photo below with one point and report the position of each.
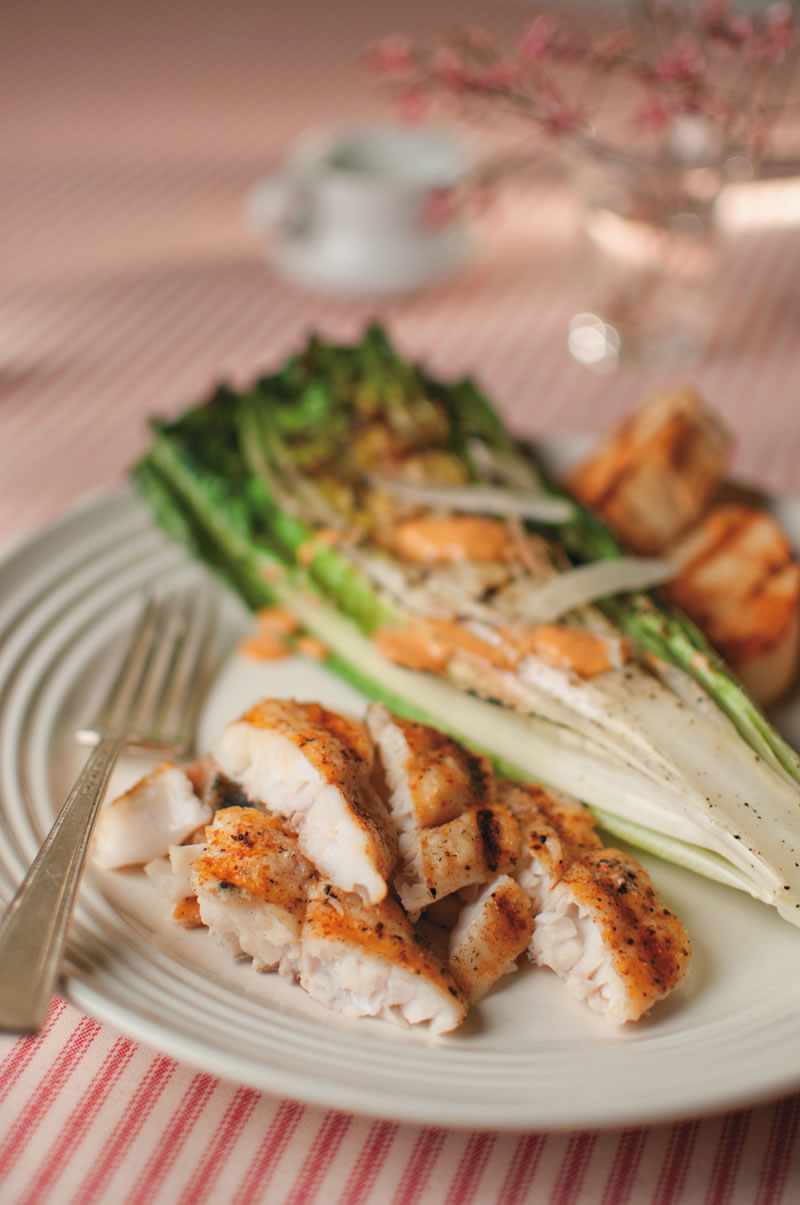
(706, 61)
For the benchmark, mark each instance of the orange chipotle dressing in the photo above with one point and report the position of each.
(269, 642)
(309, 646)
(430, 644)
(278, 620)
(264, 646)
(573, 647)
(325, 538)
(431, 540)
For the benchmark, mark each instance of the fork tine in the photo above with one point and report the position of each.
(178, 707)
(200, 670)
(167, 710)
(161, 709)
(114, 707)
(157, 694)
(169, 626)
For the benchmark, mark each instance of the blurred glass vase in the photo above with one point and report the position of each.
(652, 246)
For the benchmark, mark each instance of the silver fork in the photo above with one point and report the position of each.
(152, 704)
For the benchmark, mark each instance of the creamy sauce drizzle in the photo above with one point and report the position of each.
(430, 644)
(431, 540)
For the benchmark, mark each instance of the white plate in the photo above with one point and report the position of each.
(529, 1057)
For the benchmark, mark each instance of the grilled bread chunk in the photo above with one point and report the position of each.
(740, 583)
(655, 475)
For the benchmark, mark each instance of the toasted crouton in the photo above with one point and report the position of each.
(653, 478)
(739, 582)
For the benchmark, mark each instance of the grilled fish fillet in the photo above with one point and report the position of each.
(159, 810)
(604, 932)
(475, 847)
(251, 884)
(489, 937)
(655, 475)
(598, 922)
(441, 797)
(259, 880)
(740, 583)
(366, 960)
(431, 778)
(314, 768)
(554, 831)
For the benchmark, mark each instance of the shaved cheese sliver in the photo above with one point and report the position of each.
(583, 585)
(478, 499)
(510, 468)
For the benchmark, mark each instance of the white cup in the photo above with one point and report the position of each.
(365, 211)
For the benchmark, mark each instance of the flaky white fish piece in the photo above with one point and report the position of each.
(172, 879)
(598, 922)
(314, 767)
(431, 778)
(475, 847)
(159, 810)
(441, 796)
(489, 936)
(554, 831)
(365, 960)
(251, 883)
(605, 933)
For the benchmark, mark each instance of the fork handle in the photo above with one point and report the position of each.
(34, 929)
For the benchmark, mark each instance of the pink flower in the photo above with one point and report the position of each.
(449, 66)
(608, 51)
(675, 65)
(740, 30)
(451, 69)
(684, 65)
(780, 33)
(440, 209)
(549, 93)
(722, 26)
(780, 13)
(413, 106)
(538, 38)
(497, 75)
(564, 120)
(653, 116)
(711, 14)
(391, 55)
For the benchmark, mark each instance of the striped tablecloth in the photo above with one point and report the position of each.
(128, 136)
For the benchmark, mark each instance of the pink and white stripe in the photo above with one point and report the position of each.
(121, 1123)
